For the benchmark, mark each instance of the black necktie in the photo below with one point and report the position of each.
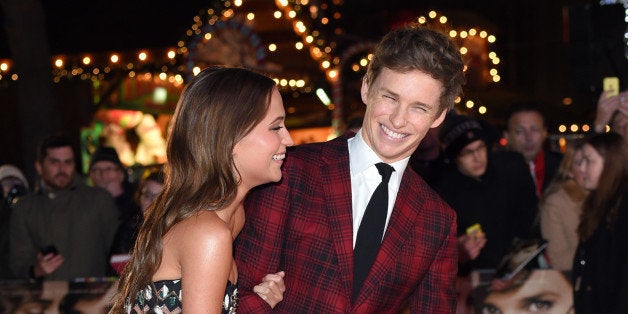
(371, 229)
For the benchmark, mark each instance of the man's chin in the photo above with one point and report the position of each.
(60, 184)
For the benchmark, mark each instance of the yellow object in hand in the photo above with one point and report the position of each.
(475, 230)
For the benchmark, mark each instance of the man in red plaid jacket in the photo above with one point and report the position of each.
(306, 225)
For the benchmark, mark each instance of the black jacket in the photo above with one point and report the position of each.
(503, 201)
(600, 269)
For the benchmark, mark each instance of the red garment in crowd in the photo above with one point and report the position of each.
(539, 172)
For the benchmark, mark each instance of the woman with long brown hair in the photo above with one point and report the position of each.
(600, 268)
(228, 136)
(561, 207)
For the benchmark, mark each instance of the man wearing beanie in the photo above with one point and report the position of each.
(492, 189)
(14, 185)
(491, 192)
(107, 172)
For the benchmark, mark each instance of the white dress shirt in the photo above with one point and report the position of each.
(365, 178)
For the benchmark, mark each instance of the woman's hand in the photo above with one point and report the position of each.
(271, 289)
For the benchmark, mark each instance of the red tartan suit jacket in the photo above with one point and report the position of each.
(303, 226)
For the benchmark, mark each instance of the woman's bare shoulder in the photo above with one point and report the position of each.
(202, 229)
(195, 241)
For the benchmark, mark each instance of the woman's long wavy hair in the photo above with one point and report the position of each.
(601, 205)
(563, 179)
(217, 109)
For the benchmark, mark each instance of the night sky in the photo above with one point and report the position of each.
(543, 54)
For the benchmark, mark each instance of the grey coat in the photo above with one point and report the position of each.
(80, 222)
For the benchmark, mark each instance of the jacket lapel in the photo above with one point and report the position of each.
(337, 192)
(401, 223)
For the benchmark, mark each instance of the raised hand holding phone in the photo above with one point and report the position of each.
(611, 84)
(607, 104)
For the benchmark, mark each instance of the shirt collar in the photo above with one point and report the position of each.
(362, 157)
(44, 189)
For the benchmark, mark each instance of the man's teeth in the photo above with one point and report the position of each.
(279, 157)
(391, 133)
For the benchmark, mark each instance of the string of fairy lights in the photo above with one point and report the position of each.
(312, 23)
(463, 38)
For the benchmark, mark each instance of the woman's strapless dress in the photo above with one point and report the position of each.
(165, 296)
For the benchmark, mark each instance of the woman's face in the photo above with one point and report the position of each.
(576, 163)
(149, 193)
(590, 167)
(545, 291)
(259, 155)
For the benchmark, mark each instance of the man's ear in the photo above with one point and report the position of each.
(505, 135)
(440, 119)
(38, 167)
(364, 91)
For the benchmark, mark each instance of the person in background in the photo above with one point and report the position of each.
(560, 209)
(526, 133)
(228, 136)
(148, 189)
(491, 192)
(14, 185)
(315, 222)
(107, 172)
(612, 111)
(600, 266)
(64, 229)
(492, 189)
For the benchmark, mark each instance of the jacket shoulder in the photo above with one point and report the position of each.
(316, 152)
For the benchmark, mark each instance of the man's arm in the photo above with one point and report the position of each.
(22, 251)
(437, 291)
(105, 208)
(258, 247)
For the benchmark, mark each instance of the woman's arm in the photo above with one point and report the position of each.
(205, 257)
(553, 230)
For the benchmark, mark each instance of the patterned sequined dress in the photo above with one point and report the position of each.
(164, 296)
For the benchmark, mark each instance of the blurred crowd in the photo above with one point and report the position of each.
(63, 225)
(71, 226)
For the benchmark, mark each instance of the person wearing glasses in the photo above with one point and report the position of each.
(492, 193)
(107, 172)
(147, 191)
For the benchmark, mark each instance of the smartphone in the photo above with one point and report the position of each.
(50, 249)
(611, 84)
(474, 228)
